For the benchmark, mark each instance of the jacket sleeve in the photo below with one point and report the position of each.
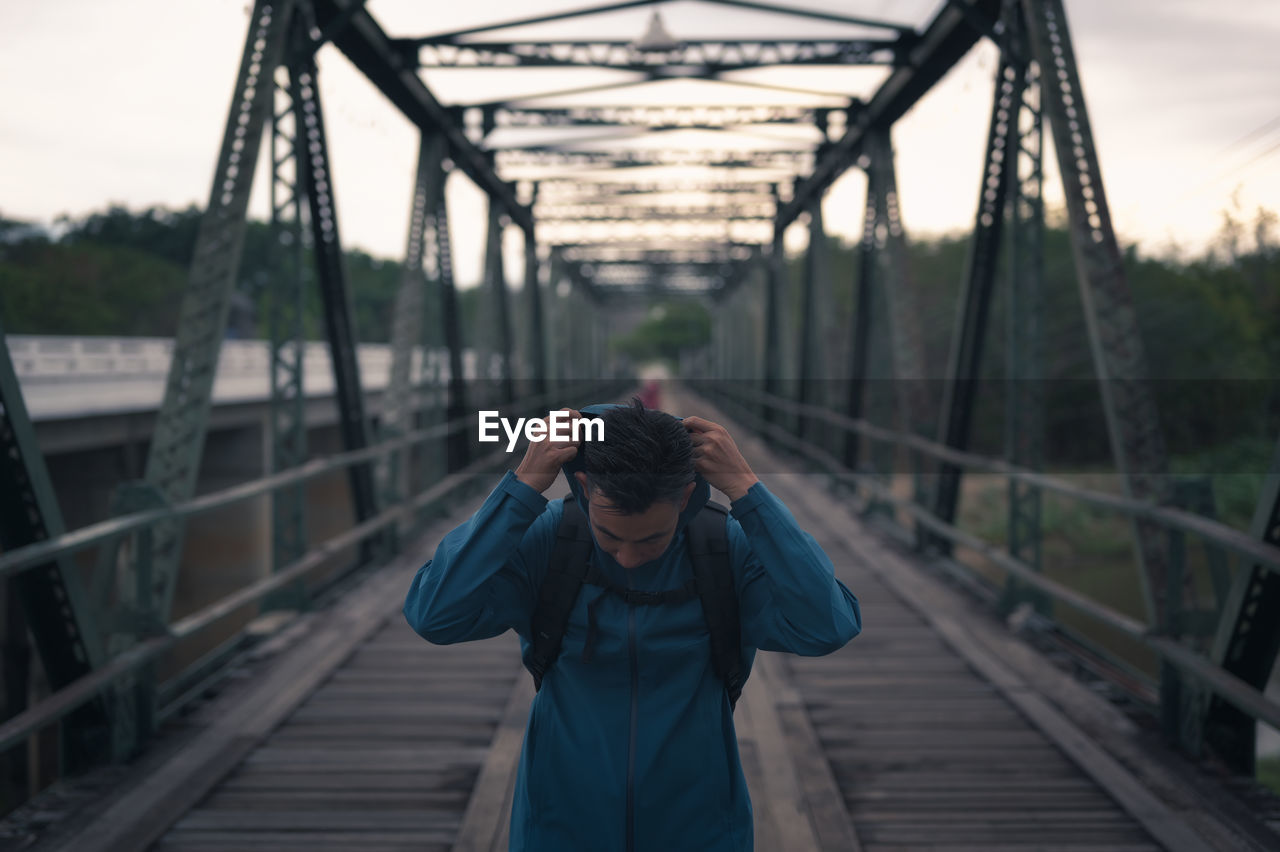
(480, 582)
(790, 597)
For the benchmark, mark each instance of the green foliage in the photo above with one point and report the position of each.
(672, 327)
(122, 273)
(88, 288)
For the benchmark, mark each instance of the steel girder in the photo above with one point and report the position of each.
(496, 282)
(400, 401)
(369, 49)
(550, 192)
(970, 333)
(1118, 354)
(1024, 313)
(537, 336)
(456, 395)
(558, 157)
(317, 185)
(58, 609)
(653, 117)
(860, 340)
(709, 57)
(286, 300)
(906, 340)
(814, 307)
(947, 38)
(174, 457)
(1248, 637)
(659, 253)
(609, 212)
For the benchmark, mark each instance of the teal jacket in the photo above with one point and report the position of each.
(634, 751)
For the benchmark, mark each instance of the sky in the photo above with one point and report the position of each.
(124, 102)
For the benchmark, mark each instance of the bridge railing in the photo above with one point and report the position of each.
(1180, 659)
(133, 669)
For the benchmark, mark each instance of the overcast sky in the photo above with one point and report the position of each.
(124, 101)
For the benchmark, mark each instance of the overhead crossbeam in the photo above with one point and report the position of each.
(713, 115)
(567, 190)
(633, 211)
(702, 58)
(555, 157)
(369, 48)
(948, 37)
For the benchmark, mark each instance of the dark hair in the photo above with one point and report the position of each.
(646, 456)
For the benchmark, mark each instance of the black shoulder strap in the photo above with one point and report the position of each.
(708, 543)
(559, 590)
(709, 552)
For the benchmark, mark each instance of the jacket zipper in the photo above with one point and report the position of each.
(631, 748)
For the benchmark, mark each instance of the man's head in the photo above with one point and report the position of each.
(637, 481)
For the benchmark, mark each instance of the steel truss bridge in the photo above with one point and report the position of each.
(614, 217)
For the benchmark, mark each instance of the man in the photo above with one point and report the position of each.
(630, 743)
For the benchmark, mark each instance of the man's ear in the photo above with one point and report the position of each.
(688, 492)
(582, 479)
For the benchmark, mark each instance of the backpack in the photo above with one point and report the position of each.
(571, 566)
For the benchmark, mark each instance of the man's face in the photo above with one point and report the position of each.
(634, 539)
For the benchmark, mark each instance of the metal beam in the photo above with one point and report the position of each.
(287, 295)
(703, 58)
(496, 282)
(1248, 638)
(947, 38)
(58, 610)
(970, 332)
(370, 50)
(317, 184)
(1119, 356)
(556, 157)
(399, 402)
(174, 456)
(711, 115)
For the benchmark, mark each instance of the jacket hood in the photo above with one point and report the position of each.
(701, 489)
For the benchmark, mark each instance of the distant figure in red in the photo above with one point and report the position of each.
(651, 395)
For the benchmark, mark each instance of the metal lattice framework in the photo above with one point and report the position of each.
(650, 201)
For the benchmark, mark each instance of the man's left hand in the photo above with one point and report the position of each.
(717, 459)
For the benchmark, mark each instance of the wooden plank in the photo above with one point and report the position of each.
(897, 574)
(485, 808)
(139, 817)
(826, 808)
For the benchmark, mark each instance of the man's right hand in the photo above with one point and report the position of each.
(542, 460)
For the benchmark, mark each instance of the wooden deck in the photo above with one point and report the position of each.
(932, 730)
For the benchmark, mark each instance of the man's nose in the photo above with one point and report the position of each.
(627, 557)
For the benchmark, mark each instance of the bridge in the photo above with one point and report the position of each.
(995, 700)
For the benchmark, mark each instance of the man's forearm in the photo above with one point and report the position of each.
(448, 596)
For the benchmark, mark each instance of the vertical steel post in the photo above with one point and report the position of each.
(774, 320)
(178, 442)
(57, 608)
(496, 282)
(1119, 356)
(286, 308)
(1024, 347)
(906, 338)
(969, 336)
(1248, 636)
(317, 183)
(400, 401)
(809, 349)
(456, 405)
(533, 295)
(859, 345)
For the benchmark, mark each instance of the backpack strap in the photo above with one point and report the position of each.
(568, 568)
(707, 541)
(713, 577)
